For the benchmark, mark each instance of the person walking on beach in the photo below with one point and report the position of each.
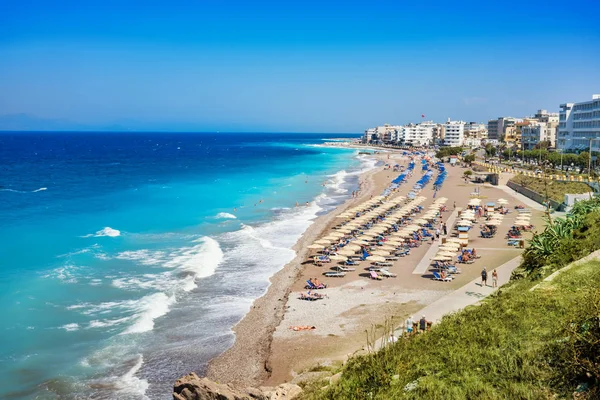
(437, 233)
(423, 324)
(409, 326)
(484, 277)
(494, 279)
(445, 228)
(455, 205)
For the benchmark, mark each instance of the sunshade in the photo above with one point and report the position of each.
(376, 258)
(315, 246)
(441, 258)
(338, 258)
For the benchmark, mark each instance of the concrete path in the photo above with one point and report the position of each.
(525, 200)
(467, 295)
(423, 265)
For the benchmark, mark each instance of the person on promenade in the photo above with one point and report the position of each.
(409, 326)
(455, 205)
(437, 233)
(445, 228)
(423, 324)
(484, 277)
(494, 279)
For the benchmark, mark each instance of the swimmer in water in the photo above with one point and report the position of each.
(234, 209)
(307, 204)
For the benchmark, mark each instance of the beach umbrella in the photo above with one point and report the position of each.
(352, 247)
(346, 252)
(454, 245)
(323, 242)
(493, 222)
(336, 234)
(384, 247)
(420, 221)
(502, 201)
(441, 258)
(453, 240)
(446, 253)
(522, 223)
(392, 242)
(380, 253)
(332, 238)
(359, 242)
(315, 246)
(338, 258)
(376, 258)
(344, 230)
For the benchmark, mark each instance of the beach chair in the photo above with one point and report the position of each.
(375, 276)
(461, 260)
(343, 269)
(391, 258)
(383, 264)
(350, 262)
(438, 277)
(334, 274)
(387, 274)
(312, 286)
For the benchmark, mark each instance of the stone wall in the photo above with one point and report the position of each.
(535, 196)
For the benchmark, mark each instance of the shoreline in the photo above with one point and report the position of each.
(267, 353)
(246, 362)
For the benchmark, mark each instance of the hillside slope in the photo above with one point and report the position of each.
(518, 344)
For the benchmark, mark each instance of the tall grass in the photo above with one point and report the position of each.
(518, 344)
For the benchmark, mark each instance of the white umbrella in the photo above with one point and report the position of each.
(384, 247)
(380, 253)
(338, 258)
(352, 247)
(346, 252)
(441, 258)
(376, 258)
(446, 253)
(315, 246)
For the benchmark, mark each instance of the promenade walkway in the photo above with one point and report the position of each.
(469, 294)
(423, 265)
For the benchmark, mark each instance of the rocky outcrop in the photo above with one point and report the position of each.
(192, 387)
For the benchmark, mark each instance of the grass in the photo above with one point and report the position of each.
(556, 190)
(518, 344)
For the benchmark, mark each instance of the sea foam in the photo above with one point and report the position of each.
(224, 215)
(108, 231)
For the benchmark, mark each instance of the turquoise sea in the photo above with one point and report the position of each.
(126, 258)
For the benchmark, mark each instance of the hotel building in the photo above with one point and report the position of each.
(579, 124)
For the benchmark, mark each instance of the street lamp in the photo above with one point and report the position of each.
(590, 156)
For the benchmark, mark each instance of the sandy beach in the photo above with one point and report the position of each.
(268, 352)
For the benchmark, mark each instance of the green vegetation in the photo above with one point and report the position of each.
(490, 151)
(556, 190)
(448, 151)
(555, 160)
(519, 344)
(469, 158)
(468, 173)
(530, 340)
(564, 240)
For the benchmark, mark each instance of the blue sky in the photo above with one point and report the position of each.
(292, 66)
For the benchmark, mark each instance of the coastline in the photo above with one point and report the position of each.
(246, 362)
(267, 353)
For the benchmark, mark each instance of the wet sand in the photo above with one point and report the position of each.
(267, 352)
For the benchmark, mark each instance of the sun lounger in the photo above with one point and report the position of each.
(343, 269)
(312, 296)
(374, 268)
(437, 277)
(383, 264)
(387, 274)
(310, 285)
(391, 258)
(375, 276)
(334, 274)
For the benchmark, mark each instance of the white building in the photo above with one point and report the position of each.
(454, 133)
(421, 134)
(579, 124)
(537, 132)
(370, 135)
